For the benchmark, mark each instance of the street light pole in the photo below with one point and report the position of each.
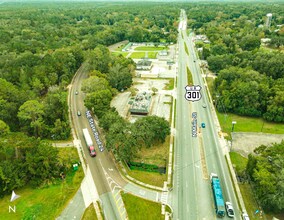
(233, 126)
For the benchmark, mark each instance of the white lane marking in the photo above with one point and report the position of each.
(186, 184)
(157, 197)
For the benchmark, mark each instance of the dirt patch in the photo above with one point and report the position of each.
(246, 142)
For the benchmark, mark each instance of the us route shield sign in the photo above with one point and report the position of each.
(193, 93)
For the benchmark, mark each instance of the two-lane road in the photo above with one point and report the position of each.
(103, 169)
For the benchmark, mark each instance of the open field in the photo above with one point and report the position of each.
(141, 209)
(149, 48)
(248, 124)
(140, 55)
(47, 202)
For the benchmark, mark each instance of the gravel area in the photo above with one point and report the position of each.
(246, 142)
(120, 102)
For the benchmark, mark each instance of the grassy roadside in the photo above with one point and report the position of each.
(141, 209)
(90, 213)
(238, 161)
(210, 81)
(47, 202)
(249, 201)
(155, 179)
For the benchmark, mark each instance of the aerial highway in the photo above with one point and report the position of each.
(196, 156)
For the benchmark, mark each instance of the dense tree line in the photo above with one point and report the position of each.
(249, 76)
(126, 139)
(25, 160)
(108, 74)
(41, 47)
(266, 170)
(47, 44)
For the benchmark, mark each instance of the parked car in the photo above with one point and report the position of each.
(230, 210)
(203, 125)
(245, 216)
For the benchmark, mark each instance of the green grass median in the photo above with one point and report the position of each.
(141, 209)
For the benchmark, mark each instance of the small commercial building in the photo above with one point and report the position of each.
(141, 104)
(144, 64)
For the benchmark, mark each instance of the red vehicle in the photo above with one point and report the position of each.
(89, 142)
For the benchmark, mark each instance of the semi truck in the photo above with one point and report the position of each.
(89, 142)
(217, 194)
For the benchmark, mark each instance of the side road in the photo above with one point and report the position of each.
(87, 193)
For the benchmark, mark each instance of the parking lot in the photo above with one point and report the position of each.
(160, 103)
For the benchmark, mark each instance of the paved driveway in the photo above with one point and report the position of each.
(246, 142)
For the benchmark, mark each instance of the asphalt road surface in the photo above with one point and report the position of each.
(105, 174)
(196, 157)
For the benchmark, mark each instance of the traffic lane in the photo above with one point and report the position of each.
(81, 122)
(201, 178)
(107, 205)
(226, 181)
(219, 165)
(216, 166)
(179, 203)
(95, 168)
(211, 159)
(187, 192)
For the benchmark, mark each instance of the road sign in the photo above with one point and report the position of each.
(193, 93)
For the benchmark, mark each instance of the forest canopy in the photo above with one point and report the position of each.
(250, 75)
